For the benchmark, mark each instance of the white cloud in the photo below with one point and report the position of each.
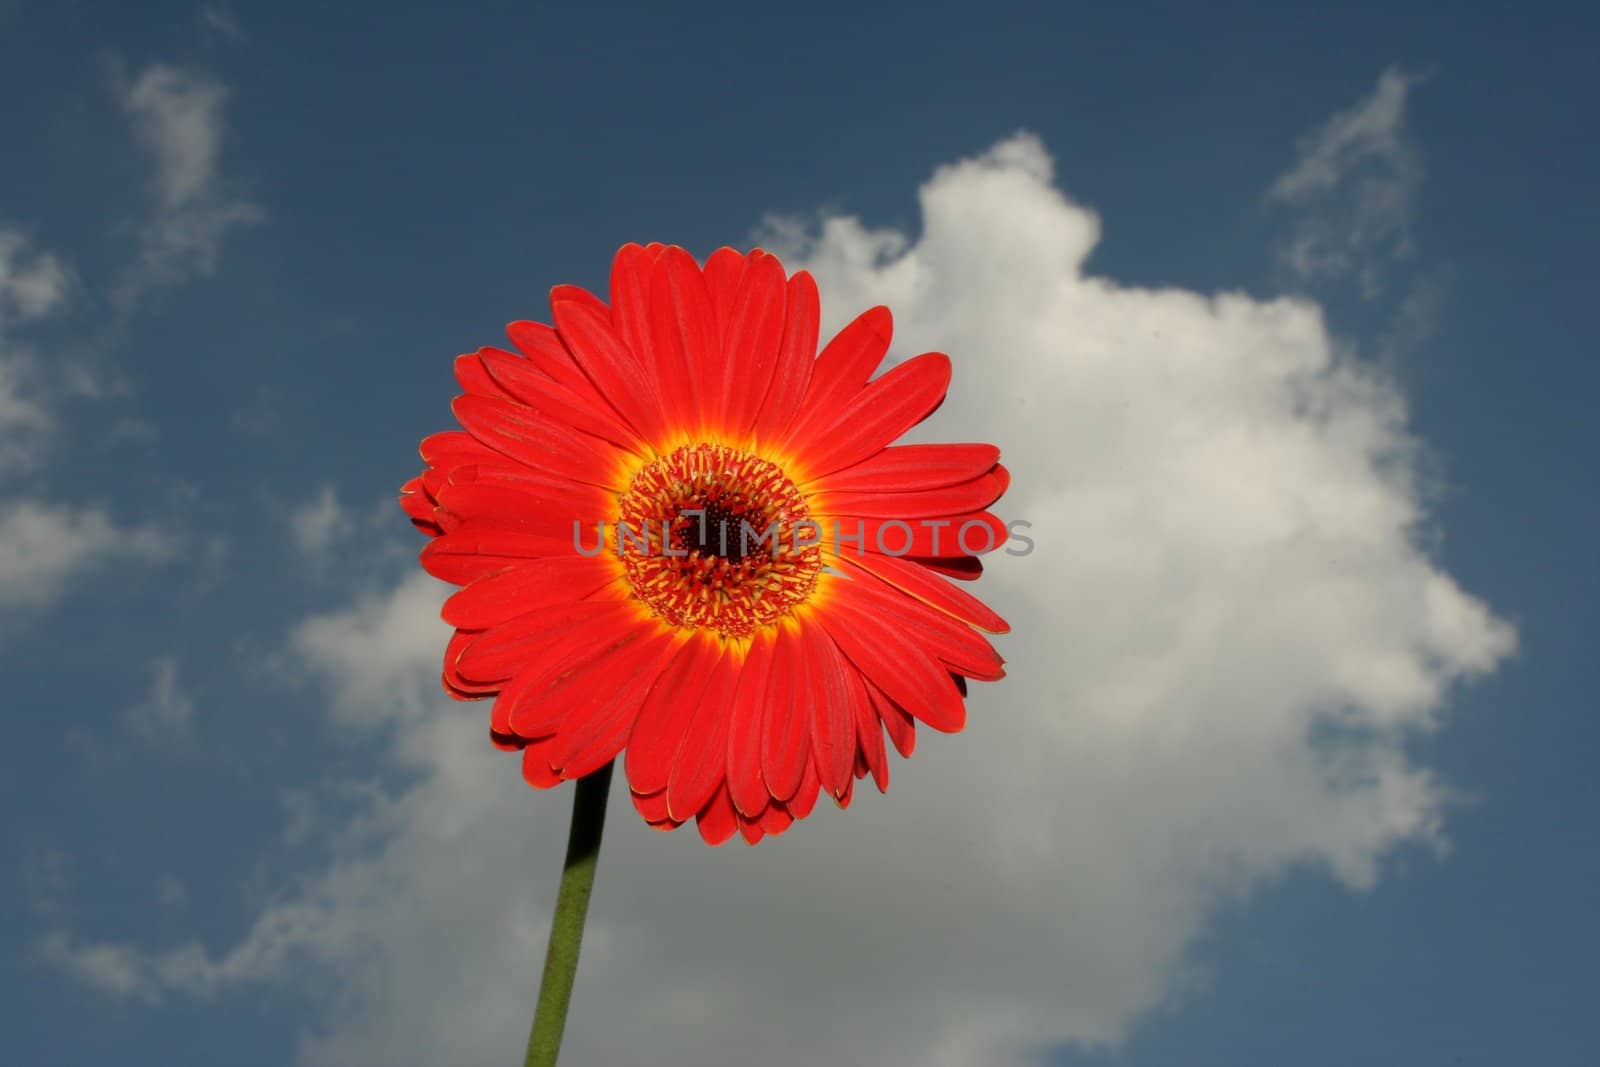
(44, 546)
(317, 524)
(115, 969)
(1228, 561)
(378, 653)
(166, 714)
(24, 423)
(32, 285)
(1354, 186)
(178, 116)
(337, 540)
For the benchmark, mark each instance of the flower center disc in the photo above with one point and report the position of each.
(715, 538)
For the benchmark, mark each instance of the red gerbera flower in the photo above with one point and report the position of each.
(683, 533)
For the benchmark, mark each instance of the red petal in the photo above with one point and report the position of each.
(454, 447)
(604, 709)
(792, 699)
(702, 760)
(525, 587)
(892, 660)
(796, 356)
(805, 798)
(833, 741)
(750, 828)
(918, 581)
(1004, 475)
(577, 294)
(550, 514)
(653, 806)
(616, 371)
(454, 684)
(723, 272)
(928, 537)
(585, 411)
(474, 377)
(776, 819)
(718, 820)
(951, 641)
(869, 730)
(471, 551)
(548, 354)
(514, 647)
(664, 720)
(630, 301)
(843, 434)
(961, 568)
(549, 492)
(507, 742)
(683, 329)
(541, 443)
(536, 765)
(417, 504)
(750, 344)
(897, 722)
(946, 500)
(905, 468)
(846, 365)
(747, 711)
(568, 668)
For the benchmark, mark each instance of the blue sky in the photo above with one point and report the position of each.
(1292, 765)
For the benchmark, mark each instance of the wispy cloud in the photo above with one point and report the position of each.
(23, 420)
(1353, 188)
(220, 18)
(335, 540)
(166, 715)
(44, 546)
(33, 284)
(316, 525)
(114, 969)
(178, 117)
(1225, 512)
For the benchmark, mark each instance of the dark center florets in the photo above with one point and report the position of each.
(710, 539)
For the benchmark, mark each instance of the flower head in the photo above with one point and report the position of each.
(682, 533)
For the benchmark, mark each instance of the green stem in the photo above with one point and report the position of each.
(566, 928)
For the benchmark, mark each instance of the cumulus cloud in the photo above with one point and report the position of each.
(1228, 563)
(166, 714)
(1354, 186)
(44, 546)
(178, 117)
